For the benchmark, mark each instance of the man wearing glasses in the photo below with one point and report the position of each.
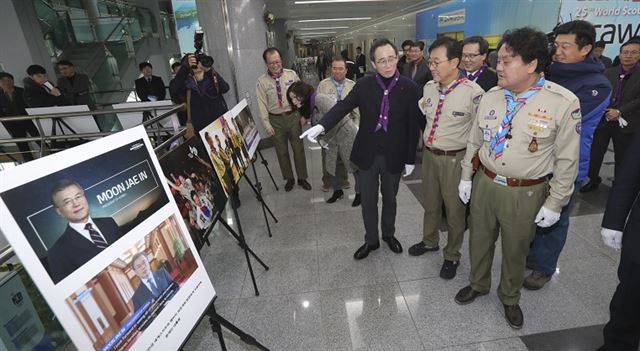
(474, 57)
(385, 143)
(84, 238)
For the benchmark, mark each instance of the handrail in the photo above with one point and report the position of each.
(93, 113)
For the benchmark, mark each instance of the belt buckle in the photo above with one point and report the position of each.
(501, 180)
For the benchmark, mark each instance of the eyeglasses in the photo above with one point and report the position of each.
(469, 56)
(435, 63)
(629, 53)
(72, 201)
(274, 63)
(564, 45)
(387, 61)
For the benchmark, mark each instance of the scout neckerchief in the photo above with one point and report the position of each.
(312, 104)
(276, 77)
(617, 90)
(473, 77)
(383, 118)
(513, 105)
(443, 95)
(339, 87)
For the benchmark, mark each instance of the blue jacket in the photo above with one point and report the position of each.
(587, 81)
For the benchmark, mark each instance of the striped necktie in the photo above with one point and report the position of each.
(96, 237)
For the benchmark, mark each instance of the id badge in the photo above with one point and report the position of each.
(501, 180)
(486, 134)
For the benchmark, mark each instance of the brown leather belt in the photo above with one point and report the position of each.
(278, 114)
(444, 153)
(512, 181)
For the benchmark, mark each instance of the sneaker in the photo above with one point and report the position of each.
(420, 248)
(449, 268)
(536, 280)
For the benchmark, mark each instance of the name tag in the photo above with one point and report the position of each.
(486, 134)
(458, 114)
(501, 180)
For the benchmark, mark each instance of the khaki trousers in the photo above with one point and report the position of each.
(287, 131)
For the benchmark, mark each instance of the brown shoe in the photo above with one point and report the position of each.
(536, 280)
(513, 315)
(466, 295)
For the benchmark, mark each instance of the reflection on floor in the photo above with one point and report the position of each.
(317, 297)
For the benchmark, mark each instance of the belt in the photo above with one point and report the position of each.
(443, 152)
(279, 114)
(502, 180)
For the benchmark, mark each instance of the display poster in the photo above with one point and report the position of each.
(186, 13)
(99, 233)
(194, 184)
(616, 21)
(243, 121)
(226, 149)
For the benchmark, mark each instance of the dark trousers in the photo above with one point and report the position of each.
(20, 129)
(322, 73)
(372, 180)
(622, 333)
(600, 144)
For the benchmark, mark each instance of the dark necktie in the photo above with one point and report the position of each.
(96, 237)
(154, 287)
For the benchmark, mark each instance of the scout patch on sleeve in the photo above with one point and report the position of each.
(576, 114)
(579, 127)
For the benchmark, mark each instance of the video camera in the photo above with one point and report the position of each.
(198, 41)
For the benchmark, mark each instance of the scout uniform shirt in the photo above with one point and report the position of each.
(327, 87)
(545, 139)
(268, 96)
(455, 120)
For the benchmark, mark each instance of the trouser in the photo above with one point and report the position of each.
(287, 131)
(20, 129)
(372, 180)
(440, 178)
(622, 333)
(601, 138)
(340, 180)
(322, 73)
(510, 211)
(548, 242)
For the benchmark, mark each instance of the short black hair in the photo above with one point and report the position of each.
(36, 69)
(406, 42)
(633, 40)
(584, 31)
(269, 51)
(344, 54)
(382, 42)
(6, 75)
(600, 44)
(61, 185)
(483, 44)
(339, 58)
(530, 44)
(454, 48)
(64, 63)
(418, 44)
(175, 64)
(142, 65)
(304, 92)
(193, 193)
(359, 48)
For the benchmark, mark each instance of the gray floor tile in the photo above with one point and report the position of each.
(203, 337)
(289, 233)
(338, 268)
(339, 228)
(510, 344)
(589, 227)
(227, 271)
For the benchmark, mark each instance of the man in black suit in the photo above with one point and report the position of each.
(152, 284)
(75, 87)
(38, 90)
(12, 104)
(620, 229)
(416, 67)
(474, 57)
(322, 62)
(385, 143)
(84, 238)
(361, 63)
(597, 53)
(149, 87)
(622, 119)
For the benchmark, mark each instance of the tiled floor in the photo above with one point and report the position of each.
(315, 296)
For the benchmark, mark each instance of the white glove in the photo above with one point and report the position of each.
(408, 169)
(464, 190)
(313, 133)
(612, 238)
(546, 218)
(622, 122)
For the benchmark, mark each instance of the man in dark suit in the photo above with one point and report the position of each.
(38, 90)
(597, 53)
(84, 238)
(322, 62)
(474, 57)
(385, 143)
(406, 45)
(361, 63)
(12, 104)
(416, 68)
(622, 119)
(620, 229)
(149, 87)
(152, 284)
(75, 87)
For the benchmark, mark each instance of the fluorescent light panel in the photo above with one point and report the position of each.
(336, 19)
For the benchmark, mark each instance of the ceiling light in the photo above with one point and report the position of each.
(323, 28)
(336, 19)
(307, 2)
(315, 33)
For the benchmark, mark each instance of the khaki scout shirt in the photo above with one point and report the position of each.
(268, 95)
(327, 87)
(552, 118)
(458, 113)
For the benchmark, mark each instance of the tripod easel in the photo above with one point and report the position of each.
(217, 322)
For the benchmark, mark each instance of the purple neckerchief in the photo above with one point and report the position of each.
(473, 77)
(312, 104)
(617, 90)
(383, 118)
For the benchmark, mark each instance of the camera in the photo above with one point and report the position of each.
(198, 41)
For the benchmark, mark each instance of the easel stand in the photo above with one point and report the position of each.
(266, 165)
(257, 190)
(239, 238)
(217, 322)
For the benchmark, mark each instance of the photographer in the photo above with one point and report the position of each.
(202, 88)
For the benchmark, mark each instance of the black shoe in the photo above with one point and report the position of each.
(591, 185)
(289, 185)
(356, 200)
(513, 315)
(394, 244)
(449, 268)
(337, 195)
(364, 250)
(304, 184)
(420, 248)
(466, 295)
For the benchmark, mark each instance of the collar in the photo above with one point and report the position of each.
(79, 227)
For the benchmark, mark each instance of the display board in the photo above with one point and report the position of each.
(132, 119)
(244, 122)
(101, 236)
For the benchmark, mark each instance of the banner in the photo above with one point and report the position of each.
(101, 237)
(616, 21)
(186, 14)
